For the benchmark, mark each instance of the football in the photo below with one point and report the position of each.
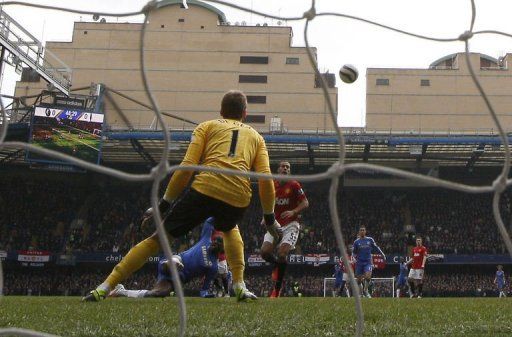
(348, 73)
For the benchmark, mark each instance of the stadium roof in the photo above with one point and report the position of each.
(451, 56)
(139, 148)
(220, 14)
(323, 149)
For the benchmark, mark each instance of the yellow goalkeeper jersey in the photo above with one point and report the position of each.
(227, 144)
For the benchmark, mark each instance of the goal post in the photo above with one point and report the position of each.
(329, 289)
(382, 287)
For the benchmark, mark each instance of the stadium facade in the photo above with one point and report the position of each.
(192, 57)
(440, 99)
(416, 118)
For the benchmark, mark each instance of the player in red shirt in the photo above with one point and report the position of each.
(419, 257)
(341, 274)
(290, 201)
(223, 270)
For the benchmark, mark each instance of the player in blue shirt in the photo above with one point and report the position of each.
(499, 280)
(341, 278)
(199, 260)
(401, 280)
(339, 283)
(362, 252)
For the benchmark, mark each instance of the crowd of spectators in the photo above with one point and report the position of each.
(439, 216)
(458, 223)
(112, 221)
(467, 284)
(77, 217)
(76, 281)
(36, 215)
(439, 284)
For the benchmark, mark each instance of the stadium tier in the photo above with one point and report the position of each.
(71, 281)
(56, 219)
(132, 150)
(69, 215)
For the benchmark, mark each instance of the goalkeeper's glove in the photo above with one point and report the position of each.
(163, 205)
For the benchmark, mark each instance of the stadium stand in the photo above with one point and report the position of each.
(72, 216)
(72, 282)
(54, 216)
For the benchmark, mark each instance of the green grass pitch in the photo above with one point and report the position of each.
(67, 316)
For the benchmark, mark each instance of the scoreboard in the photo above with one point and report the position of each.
(71, 131)
(75, 115)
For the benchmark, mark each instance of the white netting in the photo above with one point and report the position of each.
(383, 287)
(161, 170)
(330, 289)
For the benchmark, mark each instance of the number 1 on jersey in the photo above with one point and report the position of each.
(232, 147)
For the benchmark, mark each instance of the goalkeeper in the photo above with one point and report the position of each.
(224, 143)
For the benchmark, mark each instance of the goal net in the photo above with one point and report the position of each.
(380, 287)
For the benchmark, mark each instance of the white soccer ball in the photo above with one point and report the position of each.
(348, 73)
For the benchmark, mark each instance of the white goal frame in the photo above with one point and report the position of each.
(391, 279)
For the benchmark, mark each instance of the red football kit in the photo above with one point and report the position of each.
(288, 196)
(417, 256)
(215, 234)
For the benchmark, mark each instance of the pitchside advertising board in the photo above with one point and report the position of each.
(315, 260)
(33, 258)
(255, 260)
(76, 133)
(39, 258)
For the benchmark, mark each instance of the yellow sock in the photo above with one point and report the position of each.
(234, 248)
(133, 261)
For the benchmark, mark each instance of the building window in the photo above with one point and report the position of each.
(252, 79)
(181, 20)
(425, 83)
(330, 79)
(382, 81)
(255, 119)
(256, 99)
(292, 60)
(276, 124)
(85, 32)
(202, 27)
(254, 59)
(162, 26)
(485, 63)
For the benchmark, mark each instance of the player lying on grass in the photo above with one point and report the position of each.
(198, 261)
